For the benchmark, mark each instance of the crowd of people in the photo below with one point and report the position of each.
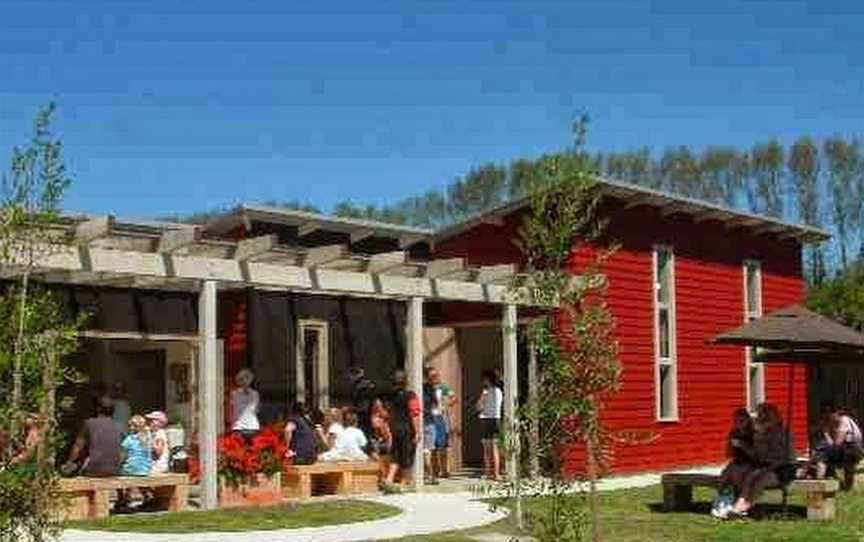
(762, 456)
(380, 425)
(107, 447)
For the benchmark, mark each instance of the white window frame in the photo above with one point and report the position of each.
(749, 352)
(672, 360)
(322, 370)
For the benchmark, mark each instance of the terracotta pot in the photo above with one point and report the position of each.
(257, 491)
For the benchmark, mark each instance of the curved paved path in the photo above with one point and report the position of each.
(421, 514)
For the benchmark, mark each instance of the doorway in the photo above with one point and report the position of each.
(313, 364)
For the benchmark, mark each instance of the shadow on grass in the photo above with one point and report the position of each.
(766, 511)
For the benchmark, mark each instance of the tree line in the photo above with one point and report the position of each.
(808, 181)
(818, 182)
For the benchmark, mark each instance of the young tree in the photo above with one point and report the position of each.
(576, 349)
(36, 336)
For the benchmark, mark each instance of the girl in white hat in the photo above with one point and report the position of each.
(157, 420)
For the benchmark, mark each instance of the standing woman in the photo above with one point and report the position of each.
(488, 408)
(244, 405)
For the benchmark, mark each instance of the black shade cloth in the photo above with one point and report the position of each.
(362, 333)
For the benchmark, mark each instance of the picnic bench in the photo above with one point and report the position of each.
(330, 478)
(90, 498)
(678, 492)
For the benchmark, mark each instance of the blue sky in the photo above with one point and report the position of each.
(173, 106)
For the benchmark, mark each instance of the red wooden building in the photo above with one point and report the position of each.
(302, 298)
(685, 272)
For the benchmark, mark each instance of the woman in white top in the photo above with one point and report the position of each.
(159, 441)
(244, 405)
(488, 408)
(349, 442)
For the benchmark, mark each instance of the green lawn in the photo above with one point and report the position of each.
(634, 516)
(252, 519)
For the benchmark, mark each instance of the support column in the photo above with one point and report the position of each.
(533, 385)
(511, 387)
(414, 370)
(209, 402)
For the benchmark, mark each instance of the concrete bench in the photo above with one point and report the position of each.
(678, 492)
(90, 498)
(330, 478)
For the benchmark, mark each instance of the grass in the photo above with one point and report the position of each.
(635, 516)
(238, 520)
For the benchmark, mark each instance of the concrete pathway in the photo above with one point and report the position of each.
(421, 514)
(425, 513)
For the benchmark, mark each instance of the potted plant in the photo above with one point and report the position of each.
(250, 472)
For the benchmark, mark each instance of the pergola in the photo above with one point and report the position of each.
(797, 334)
(163, 256)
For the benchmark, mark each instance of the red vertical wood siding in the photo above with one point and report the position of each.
(709, 299)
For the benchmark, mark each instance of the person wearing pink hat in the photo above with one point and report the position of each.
(161, 452)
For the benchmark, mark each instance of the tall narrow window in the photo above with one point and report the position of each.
(752, 310)
(666, 372)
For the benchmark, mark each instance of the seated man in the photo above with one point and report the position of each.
(349, 443)
(100, 439)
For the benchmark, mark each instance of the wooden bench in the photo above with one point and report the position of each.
(90, 498)
(678, 492)
(330, 478)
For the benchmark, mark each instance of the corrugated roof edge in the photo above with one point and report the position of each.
(620, 189)
(241, 213)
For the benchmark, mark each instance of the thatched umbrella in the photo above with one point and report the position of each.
(798, 334)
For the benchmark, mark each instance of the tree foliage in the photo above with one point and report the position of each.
(35, 337)
(575, 346)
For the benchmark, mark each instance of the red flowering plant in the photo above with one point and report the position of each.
(234, 466)
(268, 446)
(240, 461)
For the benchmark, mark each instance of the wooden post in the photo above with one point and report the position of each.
(511, 386)
(209, 402)
(414, 370)
(533, 384)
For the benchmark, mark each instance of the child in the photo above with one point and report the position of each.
(161, 451)
(137, 456)
(136, 448)
(382, 437)
(334, 427)
(349, 443)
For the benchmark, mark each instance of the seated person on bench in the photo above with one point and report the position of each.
(775, 458)
(98, 445)
(838, 445)
(300, 437)
(349, 443)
